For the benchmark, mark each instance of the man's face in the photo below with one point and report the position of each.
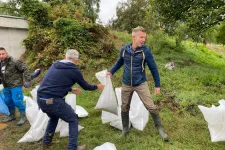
(3, 55)
(139, 38)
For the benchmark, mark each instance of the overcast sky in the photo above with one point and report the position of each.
(108, 9)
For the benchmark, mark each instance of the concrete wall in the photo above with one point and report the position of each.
(12, 32)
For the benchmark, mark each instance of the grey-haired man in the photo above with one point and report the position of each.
(57, 82)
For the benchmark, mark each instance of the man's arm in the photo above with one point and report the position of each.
(83, 83)
(118, 64)
(21, 67)
(152, 67)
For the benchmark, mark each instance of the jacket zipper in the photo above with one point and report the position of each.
(131, 69)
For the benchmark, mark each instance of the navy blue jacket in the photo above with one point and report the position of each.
(60, 78)
(134, 65)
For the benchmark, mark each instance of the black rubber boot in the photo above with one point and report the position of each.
(22, 118)
(12, 116)
(125, 122)
(159, 127)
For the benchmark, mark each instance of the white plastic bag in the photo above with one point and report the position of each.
(64, 130)
(107, 100)
(1, 87)
(107, 117)
(33, 92)
(138, 113)
(37, 130)
(215, 117)
(81, 112)
(106, 146)
(38, 127)
(71, 100)
(31, 109)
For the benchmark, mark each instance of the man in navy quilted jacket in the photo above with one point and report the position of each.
(134, 57)
(57, 82)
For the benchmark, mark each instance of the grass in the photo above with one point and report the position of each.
(198, 79)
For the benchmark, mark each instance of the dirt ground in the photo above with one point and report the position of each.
(3, 126)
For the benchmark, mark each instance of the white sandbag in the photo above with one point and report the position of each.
(33, 92)
(37, 130)
(106, 146)
(71, 100)
(64, 130)
(1, 87)
(38, 127)
(107, 117)
(81, 112)
(138, 113)
(31, 109)
(215, 117)
(107, 100)
(59, 125)
(116, 121)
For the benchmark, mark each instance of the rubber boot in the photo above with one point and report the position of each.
(12, 116)
(159, 127)
(125, 122)
(82, 147)
(22, 118)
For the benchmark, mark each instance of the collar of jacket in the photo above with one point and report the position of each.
(129, 46)
(7, 59)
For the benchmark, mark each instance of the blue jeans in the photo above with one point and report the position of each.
(55, 109)
(14, 97)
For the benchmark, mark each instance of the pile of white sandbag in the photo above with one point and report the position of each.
(38, 120)
(111, 111)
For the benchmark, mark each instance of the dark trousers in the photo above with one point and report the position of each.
(57, 108)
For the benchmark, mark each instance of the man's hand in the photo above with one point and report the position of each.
(100, 86)
(76, 91)
(157, 90)
(109, 74)
(27, 84)
(35, 73)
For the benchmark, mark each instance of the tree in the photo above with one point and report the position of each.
(134, 13)
(199, 15)
(9, 8)
(92, 9)
(220, 36)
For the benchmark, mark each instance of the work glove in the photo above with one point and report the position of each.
(35, 73)
(27, 84)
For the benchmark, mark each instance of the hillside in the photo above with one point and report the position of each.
(198, 78)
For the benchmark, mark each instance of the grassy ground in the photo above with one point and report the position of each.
(198, 78)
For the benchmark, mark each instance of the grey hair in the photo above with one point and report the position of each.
(138, 28)
(72, 53)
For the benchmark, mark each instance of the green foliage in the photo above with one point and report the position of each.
(220, 36)
(133, 13)
(92, 9)
(209, 36)
(70, 31)
(36, 12)
(160, 42)
(9, 8)
(199, 15)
